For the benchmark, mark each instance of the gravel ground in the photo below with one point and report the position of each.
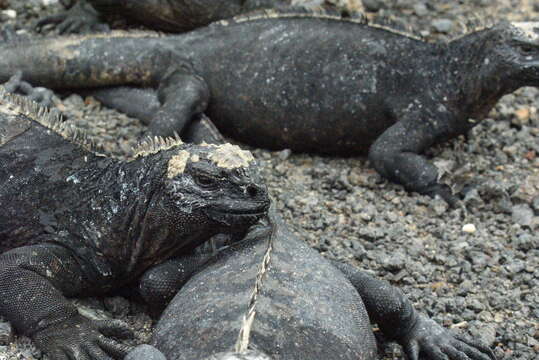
(473, 268)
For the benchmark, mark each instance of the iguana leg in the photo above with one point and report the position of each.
(395, 154)
(159, 284)
(140, 103)
(33, 283)
(183, 95)
(17, 85)
(79, 18)
(388, 307)
(202, 130)
(143, 104)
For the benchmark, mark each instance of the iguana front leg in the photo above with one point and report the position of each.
(143, 104)
(159, 284)
(33, 283)
(388, 307)
(181, 95)
(396, 153)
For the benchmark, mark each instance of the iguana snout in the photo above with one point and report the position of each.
(522, 52)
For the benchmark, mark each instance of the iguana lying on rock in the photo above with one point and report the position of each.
(79, 223)
(303, 81)
(171, 15)
(273, 297)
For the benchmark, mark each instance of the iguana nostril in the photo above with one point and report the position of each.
(252, 190)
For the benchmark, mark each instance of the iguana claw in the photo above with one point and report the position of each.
(80, 18)
(17, 85)
(79, 338)
(436, 343)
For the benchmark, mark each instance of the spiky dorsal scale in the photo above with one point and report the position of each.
(313, 13)
(153, 145)
(52, 120)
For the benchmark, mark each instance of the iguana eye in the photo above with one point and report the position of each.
(526, 49)
(205, 180)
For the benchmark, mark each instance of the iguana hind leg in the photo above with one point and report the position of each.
(396, 153)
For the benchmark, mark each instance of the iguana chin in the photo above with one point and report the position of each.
(171, 15)
(76, 223)
(304, 81)
(271, 296)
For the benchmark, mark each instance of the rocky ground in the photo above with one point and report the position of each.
(473, 269)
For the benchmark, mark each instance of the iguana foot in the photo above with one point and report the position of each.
(436, 343)
(79, 338)
(442, 190)
(17, 85)
(79, 19)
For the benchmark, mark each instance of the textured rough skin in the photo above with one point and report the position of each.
(173, 15)
(74, 222)
(302, 307)
(308, 82)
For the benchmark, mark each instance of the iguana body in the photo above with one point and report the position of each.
(173, 15)
(277, 298)
(308, 82)
(79, 223)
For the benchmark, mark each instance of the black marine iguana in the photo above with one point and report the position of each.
(171, 15)
(79, 223)
(308, 82)
(271, 296)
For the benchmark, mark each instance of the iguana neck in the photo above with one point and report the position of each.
(477, 71)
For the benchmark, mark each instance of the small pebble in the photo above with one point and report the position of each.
(284, 154)
(469, 228)
(420, 9)
(12, 14)
(522, 214)
(442, 25)
(535, 205)
(372, 5)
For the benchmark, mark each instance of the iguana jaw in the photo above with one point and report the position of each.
(234, 216)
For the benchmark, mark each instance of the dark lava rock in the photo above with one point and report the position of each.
(146, 352)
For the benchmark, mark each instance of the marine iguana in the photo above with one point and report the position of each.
(77, 223)
(304, 81)
(171, 15)
(271, 296)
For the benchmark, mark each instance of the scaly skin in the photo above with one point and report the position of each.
(273, 294)
(172, 15)
(307, 82)
(74, 222)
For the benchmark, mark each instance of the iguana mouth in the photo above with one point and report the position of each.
(255, 208)
(238, 216)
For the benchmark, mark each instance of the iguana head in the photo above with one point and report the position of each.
(517, 52)
(219, 181)
(193, 192)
